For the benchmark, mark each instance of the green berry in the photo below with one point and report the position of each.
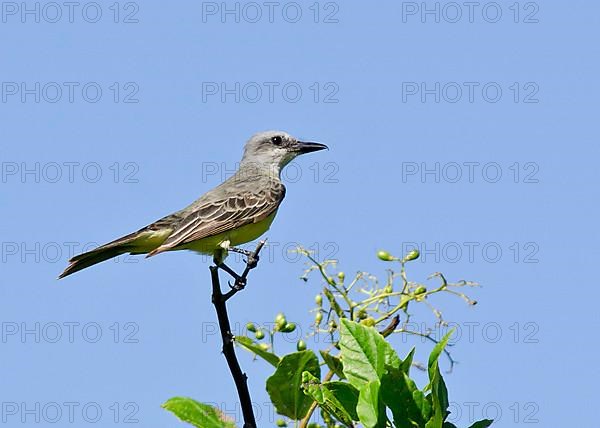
(289, 327)
(413, 255)
(251, 327)
(259, 335)
(319, 300)
(318, 318)
(385, 256)
(280, 322)
(301, 345)
(369, 322)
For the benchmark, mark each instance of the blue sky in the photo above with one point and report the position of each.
(469, 132)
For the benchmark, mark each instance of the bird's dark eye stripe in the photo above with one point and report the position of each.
(276, 140)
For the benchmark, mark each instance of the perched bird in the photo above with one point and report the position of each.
(237, 211)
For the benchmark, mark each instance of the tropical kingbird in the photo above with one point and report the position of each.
(237, 211)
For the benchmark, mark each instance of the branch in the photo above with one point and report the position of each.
(219, 300)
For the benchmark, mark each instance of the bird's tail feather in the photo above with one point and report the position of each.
(91, 258)
(100, 254)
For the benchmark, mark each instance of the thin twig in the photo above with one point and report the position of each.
(219, 300)
(391, 327)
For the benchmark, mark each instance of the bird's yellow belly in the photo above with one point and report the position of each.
(235, 237)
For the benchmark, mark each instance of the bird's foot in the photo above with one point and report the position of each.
(252, 260)
(251, 256)
(239, 283)
(240, 251)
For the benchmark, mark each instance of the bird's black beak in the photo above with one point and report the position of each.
(306, 147)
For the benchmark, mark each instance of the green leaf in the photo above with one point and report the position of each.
(346, 394)
(311, 385)
(439, 398)
(407, 363)
(197, 414)
(370, 411)
(284, 386)
(437, 350)
(334, 363)
(484, 423)
(364, 353)
(249, 344)
(398, 393)
(338, 399)
(422, 403)
(391, 357)
(439, 392)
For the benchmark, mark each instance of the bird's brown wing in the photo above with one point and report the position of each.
(218, 216)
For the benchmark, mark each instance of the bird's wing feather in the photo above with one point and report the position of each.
(222, 215)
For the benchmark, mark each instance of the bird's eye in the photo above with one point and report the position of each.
(277, 140)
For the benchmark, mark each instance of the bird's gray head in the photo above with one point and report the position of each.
(275, 149)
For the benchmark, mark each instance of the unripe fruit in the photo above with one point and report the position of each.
(301, 345)
(289, 327)
(385, 256)
(318, 318)
(281, 423)
(251, 327)
(420, 290)
(280, 322)
(259, 335)
(369, 322)
(341, 276)
(413, 255)
(319, 300)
